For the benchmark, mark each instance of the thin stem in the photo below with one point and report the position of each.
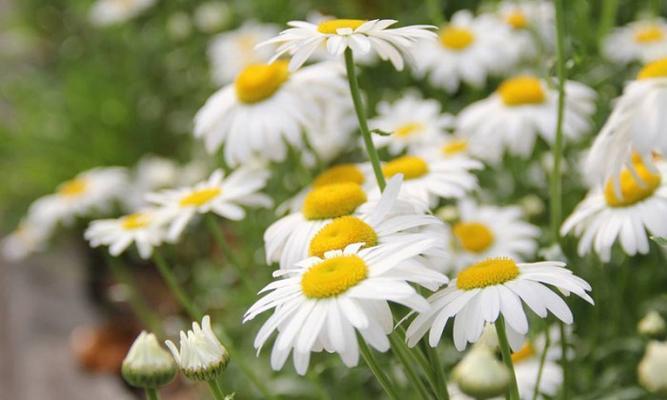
(402, 352)
(361, 117)
(540, 369)
(607, 17)
(382, 378)
(435, 12)
(563, 360)
(169, 277)
(507, 357)
(440, 379)
(219, 236)
(216, 390)
(151, 394)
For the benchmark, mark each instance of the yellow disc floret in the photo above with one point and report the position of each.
(456, 38)
(339, 174)
(522, 90)
(656, 69)
(333, 276)
(134, 221)
(200, 197)
(492, 271)
(454, 147)
(332, 26)
(516, 19)
(73, 188)
(258, 82)
(341, 232)
(332, 201)
(524, 353)
(409, 129)
(473, 236)
(410, 166)
(632, 190)
(649, 34)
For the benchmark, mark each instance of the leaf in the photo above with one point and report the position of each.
(662, 241)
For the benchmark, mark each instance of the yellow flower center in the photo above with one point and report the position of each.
(632, 190)
(649, 34)
(409, 129)
(73, 188)
(332, 201)
(339, 174)
(332, 26)
(522, 90)
(134, 221)
(341, 232)
(258, 82)
(454, 147)
(200, 197)
(524, 353)
(656, 69)
(516, 19)
(456, 38)
(333, 276)
(410, 166)
(492, 271)
(473, 236)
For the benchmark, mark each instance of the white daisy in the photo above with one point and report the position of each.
(412, 121)
(145, 228)
(267, 108)
(109, 12)
(321, 303)
(643, 41)
(232, 51)
(469, 49)
(636, 124)
(484, 231)
(220, 195)
(529, 21)
(622, 212)
(362, 36)
(333, 134)
(495, 287)
(524, 107)
(28, 238)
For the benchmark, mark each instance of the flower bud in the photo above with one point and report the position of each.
(448, 214)
(148, 365)
(652, 325)
(652, 368)
(480, 375)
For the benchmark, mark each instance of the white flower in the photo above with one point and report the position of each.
(303, 39)
(651, 368)
(267, 108)
(522, 108)
(220, 195)
(624, 212)
(321, 302)
(652, 324)
(468, 51)
(145, 228)
(28, 238)
(109, 12)
(644, 40)
(232, 51)
(212, 16)
(484, 231)
(529, 21)
(412, 122)
(497, 287)
(147, 364)
(201, 355)
(636, 124)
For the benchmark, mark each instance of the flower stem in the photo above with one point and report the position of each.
(607, 17)
(216, 390)
(361, 116)
(507, 357)
(219, 236)
(382, 378)
(403, 353)
(151, 394)
(169, 277)
(441, 392)
(563, 360)
(540, 369)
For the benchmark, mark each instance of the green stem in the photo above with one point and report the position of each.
(403, 353)
(607, 18)
(151, 394)
(507, 357)
(382, 378)
(435, 12)
(540, 369)
(216, 390)
(169, 277)
(361, 116)
(563, 360)
(441, 392)
(219, 236)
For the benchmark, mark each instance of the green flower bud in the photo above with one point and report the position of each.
(652, 368)
(480, 375)
(652, 325)
(148, 365)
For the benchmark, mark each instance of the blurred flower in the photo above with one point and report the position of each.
(493, 287)
(411, 122)
(332, 134)
(201, 356)
(644, 40)
(220, 195)
(652, 325)
(303, 39)
(652, 368)
(449, 214)
(622, 212)
(147, 364)
(469, 49)
(179, 25)
(522, 108)
(212, 16)
(532, 205)
(480, 375)
(110, 12)
(233, 51)
(320, 302)
(526, 368)
(529, 21)
(28, 238)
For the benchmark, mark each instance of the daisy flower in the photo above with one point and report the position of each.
(524, 107)
(412, 121)
(220, 195)
(321, 303)
(643, 41)
(110, 12)
(231, 52)
(529, 21)
(303, 38)
(636, 124)
(484, 231)
(495, 287)
(629, 205)
(28, 238)
(145, 228)
(468, 50)
(267, 108)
